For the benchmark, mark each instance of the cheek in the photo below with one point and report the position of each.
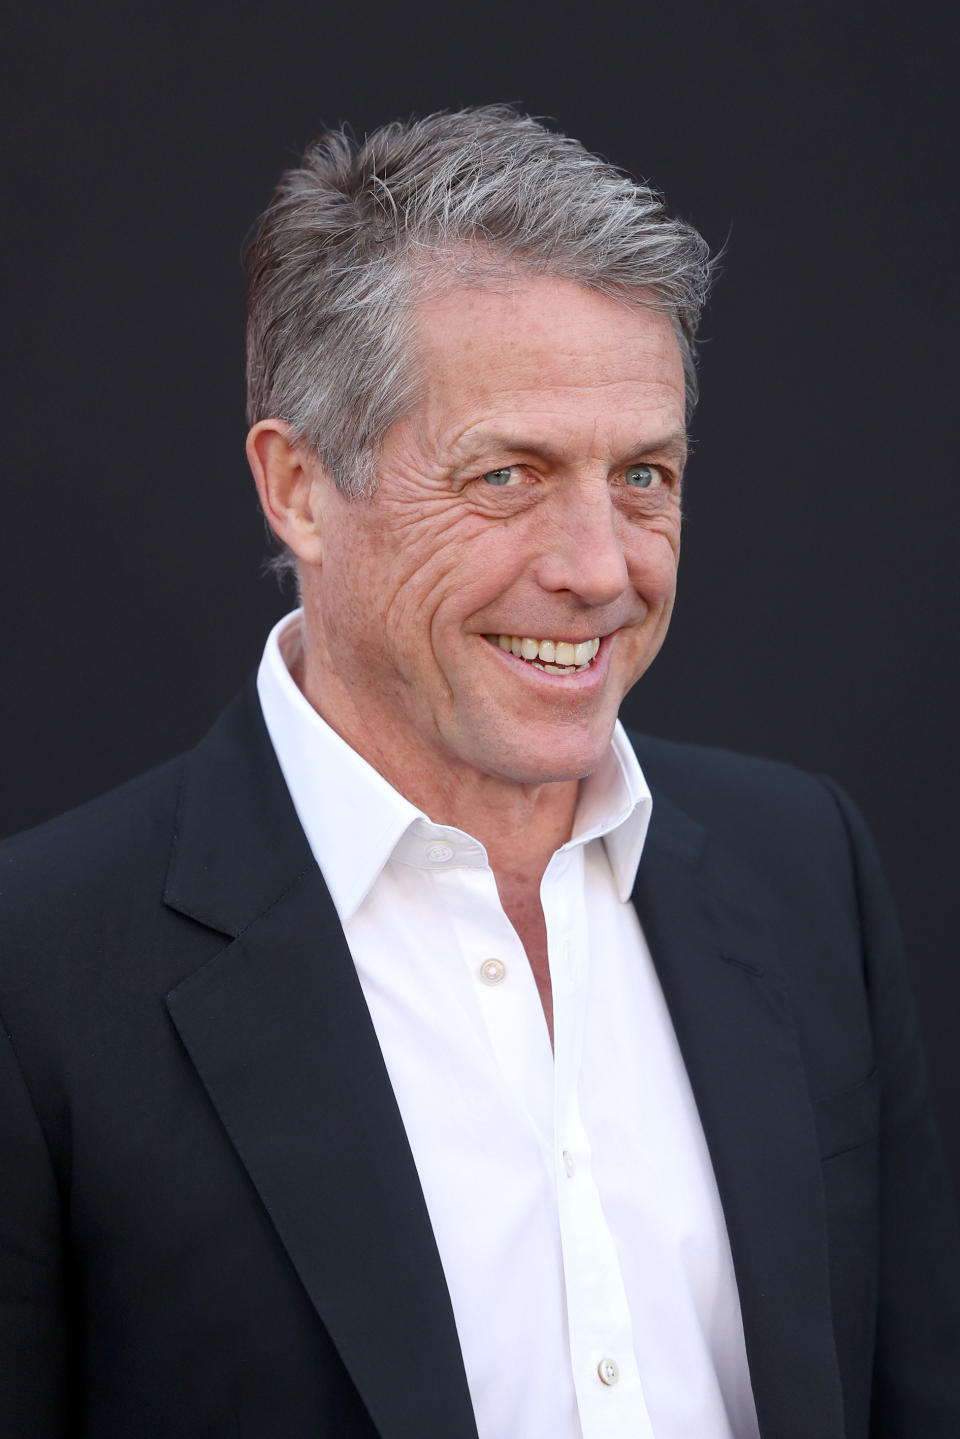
(445, 573)
(356, 587)
(652, 564)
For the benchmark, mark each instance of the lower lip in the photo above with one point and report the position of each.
(578, 680)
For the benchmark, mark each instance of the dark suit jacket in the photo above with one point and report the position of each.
(210, 1221)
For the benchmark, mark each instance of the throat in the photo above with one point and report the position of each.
(521, 904)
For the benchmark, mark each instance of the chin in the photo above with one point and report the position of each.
(553, 762)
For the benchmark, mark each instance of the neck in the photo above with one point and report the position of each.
(519, 825)
(493, 809)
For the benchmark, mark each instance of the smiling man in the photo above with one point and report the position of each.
(472, 627)
(420, 1056)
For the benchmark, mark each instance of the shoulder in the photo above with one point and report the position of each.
(795, 833)
(710, 783)
(86, 888)
(84, 897)
(107, 836)
(113, 842)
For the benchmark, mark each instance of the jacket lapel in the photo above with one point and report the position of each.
(717, 962)
(279, 1032)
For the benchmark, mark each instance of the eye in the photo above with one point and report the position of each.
(643, 477)
(501, 477)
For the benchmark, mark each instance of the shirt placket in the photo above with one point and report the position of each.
(507, 997)
(609, 1391)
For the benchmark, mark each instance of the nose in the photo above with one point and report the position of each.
(583, 545)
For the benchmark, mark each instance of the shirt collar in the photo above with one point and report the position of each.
(615, 803)
(355, 821)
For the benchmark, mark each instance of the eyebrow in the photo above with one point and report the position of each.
(675, 444)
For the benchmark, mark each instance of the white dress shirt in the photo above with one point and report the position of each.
(570, 1191)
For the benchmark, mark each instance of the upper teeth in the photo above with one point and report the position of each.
(552, 652)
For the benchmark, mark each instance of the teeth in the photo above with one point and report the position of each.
(557, 657)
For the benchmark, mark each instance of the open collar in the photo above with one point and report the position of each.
(278, 1030)
(355, 821)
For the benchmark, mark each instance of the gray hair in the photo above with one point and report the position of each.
(359, 233)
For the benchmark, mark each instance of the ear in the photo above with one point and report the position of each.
(289, 477)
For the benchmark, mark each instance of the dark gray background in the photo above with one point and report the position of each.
(818, 586)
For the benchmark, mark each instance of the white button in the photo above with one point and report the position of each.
(609, 1371)
(569, 1164)
(439, 853)
(492, 971)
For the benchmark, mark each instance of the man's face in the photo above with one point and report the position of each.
(534, 493)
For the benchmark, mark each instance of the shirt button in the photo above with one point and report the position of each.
(439, 853)
(492, 971)
(569, 1164)
(609, 1371)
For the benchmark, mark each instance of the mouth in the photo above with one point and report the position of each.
(556, 657)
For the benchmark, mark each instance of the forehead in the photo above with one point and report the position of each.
(549, 350)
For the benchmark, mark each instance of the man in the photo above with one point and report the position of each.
(398, 1062)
